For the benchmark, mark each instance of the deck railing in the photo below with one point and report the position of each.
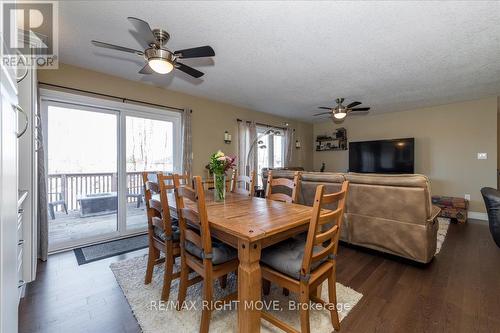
(70, 186)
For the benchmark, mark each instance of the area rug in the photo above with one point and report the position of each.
(444, 223)
(155, 316)
(91, 253)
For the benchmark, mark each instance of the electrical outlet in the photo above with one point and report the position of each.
(467, 197)
(482, 156)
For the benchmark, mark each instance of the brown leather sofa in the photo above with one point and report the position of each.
(388, 213)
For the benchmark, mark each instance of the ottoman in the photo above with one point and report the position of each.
(451, 207)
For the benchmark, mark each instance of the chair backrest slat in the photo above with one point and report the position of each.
(323, 253)
(193, 237)
(280, 197)
(292, 185)
(330, 198)
(283, 182)
(324, 228)
(187, 192)
(329, 217)
(324, 236)
(191, 216)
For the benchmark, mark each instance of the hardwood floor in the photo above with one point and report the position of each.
(459, 291)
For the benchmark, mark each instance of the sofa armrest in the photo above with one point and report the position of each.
(434, 213)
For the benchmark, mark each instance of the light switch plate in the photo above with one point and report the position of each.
(482, 156)
(467, 197)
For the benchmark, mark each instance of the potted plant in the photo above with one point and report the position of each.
(218, 165)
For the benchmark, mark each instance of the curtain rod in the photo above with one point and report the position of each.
(266, 125)
(123, 99)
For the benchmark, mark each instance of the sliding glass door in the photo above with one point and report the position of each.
(96, 152)
(82, 174)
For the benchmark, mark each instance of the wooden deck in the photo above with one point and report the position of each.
(66, 228)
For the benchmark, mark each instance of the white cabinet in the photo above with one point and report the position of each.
(9, 279)
(27, 172)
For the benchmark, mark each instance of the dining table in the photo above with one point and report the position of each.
(250, 224)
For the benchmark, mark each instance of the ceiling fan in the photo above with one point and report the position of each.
(158, 58)
(339, 111)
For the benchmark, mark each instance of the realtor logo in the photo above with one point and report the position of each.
(30, 34)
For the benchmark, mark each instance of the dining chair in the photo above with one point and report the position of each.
(208, 257)
(243, 184)
(291, 185)
(209, 183)
(163, 230)
(302, 266)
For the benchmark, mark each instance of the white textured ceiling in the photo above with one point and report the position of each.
(288, 58)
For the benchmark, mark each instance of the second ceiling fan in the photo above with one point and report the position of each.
(339, 111)
(158, 58)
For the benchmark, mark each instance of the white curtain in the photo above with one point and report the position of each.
(187, 147)
(253, 160)
(288, 146)
(247, 132)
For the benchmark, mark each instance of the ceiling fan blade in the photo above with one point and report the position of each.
(353, 104)
(146, 69)
(360, 109)
(188, 70)
(143, 29)
(325, 107)
(320, 114)
(116, 47)
(196, 52)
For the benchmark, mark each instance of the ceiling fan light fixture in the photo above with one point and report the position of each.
(160, 65)
(340, 115)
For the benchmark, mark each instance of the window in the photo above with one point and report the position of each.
(271, 153)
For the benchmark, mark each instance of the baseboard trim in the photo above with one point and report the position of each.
(478, 216)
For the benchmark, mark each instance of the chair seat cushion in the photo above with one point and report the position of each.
(221, 253)
(286, 257)
(176, 233)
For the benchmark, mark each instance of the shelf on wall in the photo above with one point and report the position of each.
(328, 139)
(336, 142)
(331, 149)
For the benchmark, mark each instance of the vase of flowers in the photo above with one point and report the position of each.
(219, 164)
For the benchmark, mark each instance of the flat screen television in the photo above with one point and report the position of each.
(382, 156)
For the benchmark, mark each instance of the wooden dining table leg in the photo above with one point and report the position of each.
(249, 287)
